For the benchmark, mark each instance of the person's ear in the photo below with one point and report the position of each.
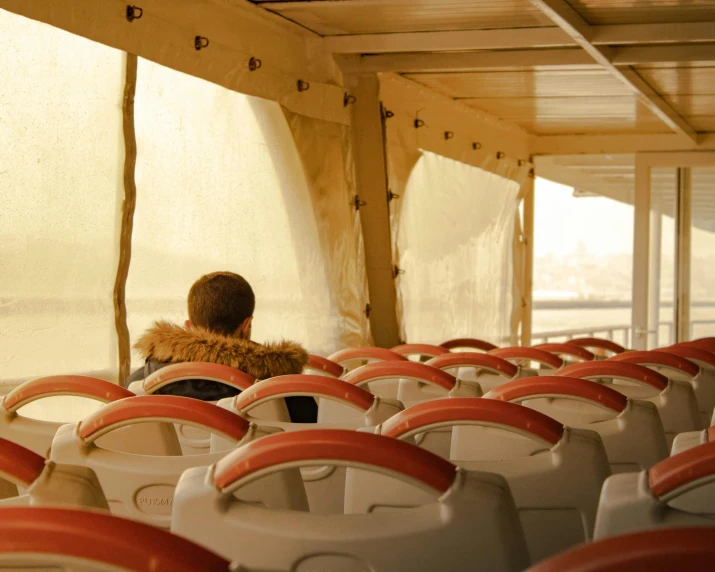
(245, 328)
(187, 323)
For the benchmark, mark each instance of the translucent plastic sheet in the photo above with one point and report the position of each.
(221, 186)
(60, 187)
(454, 239)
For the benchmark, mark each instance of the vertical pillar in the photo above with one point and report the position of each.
(371, 181)
(656, 226)
(528, 236)
(641, 240)
(683, 227)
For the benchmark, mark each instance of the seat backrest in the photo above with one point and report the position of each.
(142, 486)
(631, 430)
(598, 344)
(569, 351)
(704, 382)
(669, 549)
(678, 491)
(489, 371)
(555, 473)
(419, 352)
(417, 382)
(352, 358)
(470, 344)
(352, 408)
(193, 440)
(675, 400)
(669, 364)
(84, 541)
(318, 365)
(547, 361)
(468, 519)
(685, 441)
(27, 478)
(37, 435)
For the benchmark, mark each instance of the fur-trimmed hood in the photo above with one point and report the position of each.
(167, 342)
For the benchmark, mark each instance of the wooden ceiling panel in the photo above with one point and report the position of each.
(338, 17)
(597, 12)
(681, 80)
(574, 115)
(529, 83)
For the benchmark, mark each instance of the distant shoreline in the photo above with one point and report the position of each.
(579, 304)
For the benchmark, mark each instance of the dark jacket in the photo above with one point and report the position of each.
(166, 343)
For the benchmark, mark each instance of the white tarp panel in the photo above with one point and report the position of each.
(454, 242)
(60, 187)
(221, 186)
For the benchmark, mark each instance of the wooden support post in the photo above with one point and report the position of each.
(683, 228)
(371, 181)
(528, 234)
(656, 236)
(641, 247)
(128, 205)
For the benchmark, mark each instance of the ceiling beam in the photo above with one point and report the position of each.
(517, 38)
(459, 40)
(664, 33)
(634, 55)
(505, 59)
(571, 22)
(615, 144)
(470, 61)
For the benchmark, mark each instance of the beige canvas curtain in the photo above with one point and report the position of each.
(227, 181)
(60, 190)
(224, 181)
(454, 224)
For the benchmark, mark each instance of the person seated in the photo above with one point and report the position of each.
(221, 308)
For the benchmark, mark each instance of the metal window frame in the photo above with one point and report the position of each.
(683, 161)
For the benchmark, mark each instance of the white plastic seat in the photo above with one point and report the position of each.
(417, 382)
(467, 522)
(27, 478)
(684, 549)
(142, 486)
(318, 365)
(353, 358)
(524, 356)
(674, 399)
(704, 381)
(419, 352)
(685, 441)
(679, 491)
(489, 371)
(678, 368)
(37, 435)
(631, 430)
(468, 344)
(324, 486)
(600, 347)
(555, 473)
(570, 353)
(70, 540)
(707, 344)
(193, 440)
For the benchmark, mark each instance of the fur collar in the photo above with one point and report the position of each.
(168, 342)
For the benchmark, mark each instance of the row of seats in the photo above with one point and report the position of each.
(498, 482)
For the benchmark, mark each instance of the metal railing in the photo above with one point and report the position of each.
(621, 333)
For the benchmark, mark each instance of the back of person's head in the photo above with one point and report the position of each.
(221, 302)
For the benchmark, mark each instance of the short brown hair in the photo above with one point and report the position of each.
(221, 302)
